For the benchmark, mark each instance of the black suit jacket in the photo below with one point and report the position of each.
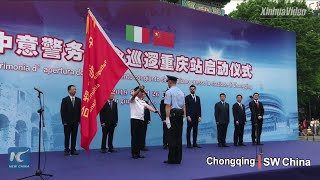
(221, 113)
(147, 116)
(70, 114)
(193, 109)
(163, 110)
(239, 114)
(255, 111)
(109, 115)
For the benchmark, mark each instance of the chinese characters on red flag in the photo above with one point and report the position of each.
(102, 69)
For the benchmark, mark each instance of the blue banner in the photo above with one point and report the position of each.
(42, 45)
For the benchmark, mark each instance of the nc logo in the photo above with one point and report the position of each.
(19, 158)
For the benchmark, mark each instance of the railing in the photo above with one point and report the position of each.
(310, 132)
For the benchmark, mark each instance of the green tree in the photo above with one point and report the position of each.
(307, 30)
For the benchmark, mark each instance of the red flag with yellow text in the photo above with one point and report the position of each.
(102, 70)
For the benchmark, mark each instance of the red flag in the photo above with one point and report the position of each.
(102, 69)
(161, 38)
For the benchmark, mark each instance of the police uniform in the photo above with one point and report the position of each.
(176, 99)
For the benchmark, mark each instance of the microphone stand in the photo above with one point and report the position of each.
(256, 132)
(307, 130)
(314, 129)
(40, 111)
(310, 118)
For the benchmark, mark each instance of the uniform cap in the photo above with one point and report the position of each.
(171, 78)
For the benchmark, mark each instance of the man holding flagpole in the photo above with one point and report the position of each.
(102, 70)
(137, 110)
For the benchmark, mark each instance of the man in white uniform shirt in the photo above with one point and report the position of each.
(137, 107)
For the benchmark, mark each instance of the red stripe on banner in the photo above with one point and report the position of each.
(259, 161)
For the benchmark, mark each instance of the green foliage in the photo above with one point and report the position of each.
(307, 30)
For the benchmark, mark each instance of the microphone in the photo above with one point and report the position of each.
(38, 90)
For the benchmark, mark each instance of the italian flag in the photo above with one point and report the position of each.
(137, 34)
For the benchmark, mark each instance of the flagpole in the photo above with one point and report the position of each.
(145, 93)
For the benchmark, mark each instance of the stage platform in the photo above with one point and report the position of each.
(120, 165)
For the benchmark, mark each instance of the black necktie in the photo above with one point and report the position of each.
(72, 101)
(110, 103)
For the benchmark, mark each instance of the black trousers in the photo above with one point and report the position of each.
(107, 131)
(70, 131)
(145, 128)
(192, 125)
(222, 133)
(165, 135)
(137, 129)
(258, 127)
(238, 133)
(175, 138)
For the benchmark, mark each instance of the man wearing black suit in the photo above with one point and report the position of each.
(239, 115)
(109, 121)
(193, 108)
(164, 126)
(147, 120)
(221, 113)
(70, 116)
(257, 111)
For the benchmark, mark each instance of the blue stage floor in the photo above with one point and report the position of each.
(119, 165)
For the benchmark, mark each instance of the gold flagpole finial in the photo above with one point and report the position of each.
(87, 24)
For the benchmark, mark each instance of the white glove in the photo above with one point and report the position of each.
(168, 123)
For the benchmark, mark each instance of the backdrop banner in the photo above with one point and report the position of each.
(42, 45)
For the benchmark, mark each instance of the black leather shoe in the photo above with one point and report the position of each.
(145, 149)
(111, 151)
(189, 146)
(242, 145)
(74, 153)
(196, 146)
(219, 145)
(103, 151)
(236, 145)
(140, 156)
(169, 162)
(224, 145)
(135, 156)
(66, 153)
